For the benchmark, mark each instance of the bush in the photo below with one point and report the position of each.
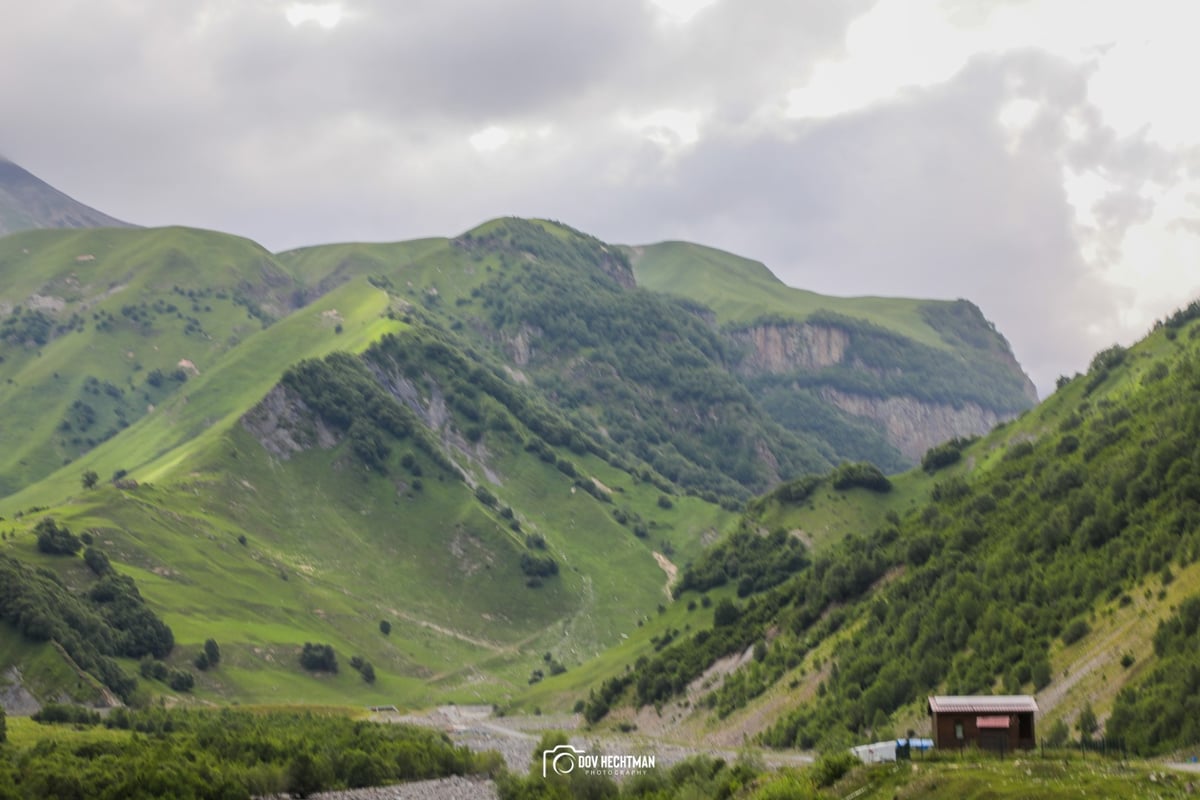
(726, 613)
(484, 496)
(385, 627)
(318, 658)
(1075, 631)
(54, 539)
(181, 680)
(945, 454)
(861, 474)
(97, 562)
(538, 566)
(1058, 735)
(829, 769)
(60, 714)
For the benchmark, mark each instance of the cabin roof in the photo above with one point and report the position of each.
(982, 704)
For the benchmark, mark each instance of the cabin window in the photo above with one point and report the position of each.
(958, 731)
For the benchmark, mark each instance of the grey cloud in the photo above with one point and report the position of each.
(917, 197)
(224, 116)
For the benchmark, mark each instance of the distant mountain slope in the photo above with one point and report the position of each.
(499, 444)
(99, 326)
(28, 202)
(916, 371)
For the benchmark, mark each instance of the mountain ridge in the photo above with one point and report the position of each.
(498, 443)
(28, 202)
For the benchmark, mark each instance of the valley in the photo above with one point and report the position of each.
(649, 492)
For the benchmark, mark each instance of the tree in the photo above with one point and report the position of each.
(726, 613)
(181, 680)
(1087, 724)
(212, 651)
(308, 774)
(55, 539)
(97, 562)
(1059, 733)
(318, 658)
(3, 727)
(385, 627)
(90, 479)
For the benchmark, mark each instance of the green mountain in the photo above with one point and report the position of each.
(895, 376)
(471, 464)
(1055, 556)
(28, 202)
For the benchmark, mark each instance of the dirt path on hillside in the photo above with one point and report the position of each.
(665, 564)
(433, 626)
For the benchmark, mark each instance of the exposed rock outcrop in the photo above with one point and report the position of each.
(284, 425)
(913, 426)
(15, 699)
(787, 348)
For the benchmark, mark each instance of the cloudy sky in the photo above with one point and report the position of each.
(1039, 157)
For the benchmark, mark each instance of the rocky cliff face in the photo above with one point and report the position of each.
(913, 426)
(284, 425)
(786, 348)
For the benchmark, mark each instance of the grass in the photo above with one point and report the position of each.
(975, 776)
(741, 290)
(44, 670)
(331, 550)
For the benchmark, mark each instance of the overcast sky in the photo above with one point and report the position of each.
(1038, 157)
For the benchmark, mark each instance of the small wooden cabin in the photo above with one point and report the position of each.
(989, 722)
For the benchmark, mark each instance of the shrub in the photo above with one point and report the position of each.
(830, 768)
(60, 714)
(484, 496)
(54, 539)
(945, 454)
(385, 627)
(726, 613)
(861, 474)
(97, 562)
(318, 658)
(1075, 631)
(1058, 735)
(181, 680)
(538, 566)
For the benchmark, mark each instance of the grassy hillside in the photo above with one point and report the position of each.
(741, 291)
(99, 326)
(215, 526)
(470, 463)
(1040, 559)
(852, 371)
